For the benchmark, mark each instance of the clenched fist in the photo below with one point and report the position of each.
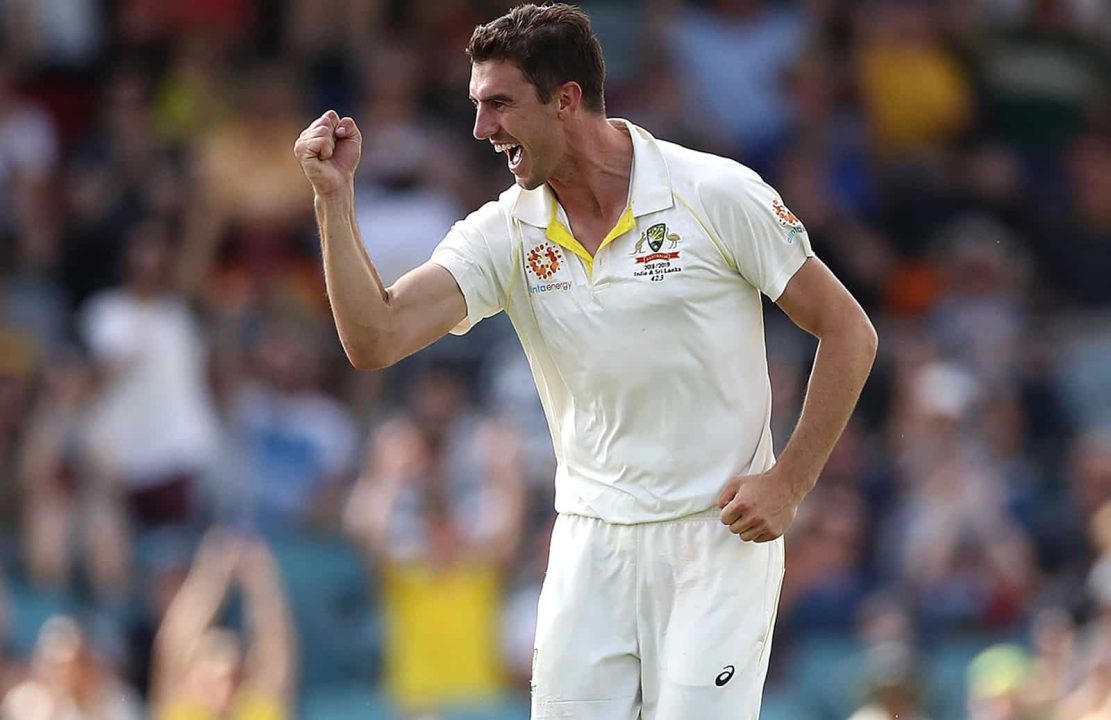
(760, 507)
(329, 152)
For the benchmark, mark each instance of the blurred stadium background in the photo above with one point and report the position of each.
(168, 363)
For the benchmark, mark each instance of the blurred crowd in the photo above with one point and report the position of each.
(206, 513)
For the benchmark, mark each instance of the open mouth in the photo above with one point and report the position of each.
(513, 153)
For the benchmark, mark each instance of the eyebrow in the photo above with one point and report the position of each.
(492, 98)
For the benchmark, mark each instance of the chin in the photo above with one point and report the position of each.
(528, 183)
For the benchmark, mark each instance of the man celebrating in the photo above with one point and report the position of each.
(632, 270)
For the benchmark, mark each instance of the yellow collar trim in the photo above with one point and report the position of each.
(561, 235)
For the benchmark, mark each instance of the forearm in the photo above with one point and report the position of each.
(359, 300)
(196, 605)
(272, 641)
(507, 482)
(192, 611)
(841, 366)
(367, 516)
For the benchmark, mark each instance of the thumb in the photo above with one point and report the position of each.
(728, 492)
(347, 129)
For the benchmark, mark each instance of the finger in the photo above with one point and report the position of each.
(332, 117)
(727, 493)
(734, 511)
(766, 536)
(323, 131)
(752, 532)
(317, 147)
(751, 525)
(347, 128)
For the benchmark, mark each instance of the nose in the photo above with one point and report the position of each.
(484, 125)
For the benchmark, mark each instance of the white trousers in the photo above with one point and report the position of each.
(659, 621)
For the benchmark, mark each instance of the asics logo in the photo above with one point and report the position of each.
(725, 675)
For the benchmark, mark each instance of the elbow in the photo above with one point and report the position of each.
(369, 353)
(871, 338)
(869, 342)
(363, 359)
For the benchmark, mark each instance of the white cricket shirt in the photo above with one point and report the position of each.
(649, 357)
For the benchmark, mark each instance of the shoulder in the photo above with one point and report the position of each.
(105, 306)
(707, 178)
(107, 300)
(491, 220)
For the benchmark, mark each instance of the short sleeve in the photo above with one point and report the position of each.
(466, 253)
(763, 238)
(108, 329)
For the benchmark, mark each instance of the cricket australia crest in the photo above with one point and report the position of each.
(657, 262)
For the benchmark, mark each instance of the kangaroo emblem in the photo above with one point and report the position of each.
(640, 245)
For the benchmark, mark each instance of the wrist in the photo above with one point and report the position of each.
(800, 481)
(343, 197)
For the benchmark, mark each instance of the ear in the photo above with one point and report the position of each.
(568, 98)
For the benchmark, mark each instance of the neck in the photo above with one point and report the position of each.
(594, 177)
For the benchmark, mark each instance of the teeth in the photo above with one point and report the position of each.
(502, 147)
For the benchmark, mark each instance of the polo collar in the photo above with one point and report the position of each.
(650, 192)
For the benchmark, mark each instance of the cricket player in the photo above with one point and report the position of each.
(632, 271)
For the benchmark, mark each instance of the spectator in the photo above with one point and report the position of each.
(243, 159)
(518, 621)
(70, 679)
(249, 209)
(408, 170)
(18, 363)
(53, 32)
(120, 172)
(72, 511)
(913, 89)
(513, 400)
(200, 671)
(997, 679)
(438, 509)
(190, 94)
(827, 586)
(1040, 77)
(969, 563)
(892, 689)
(732, 57)
(28, 160)
(293, 446)
(1091, 698)
(1090, 473)
(1072, 276)
(154, 418)
(1055, 668)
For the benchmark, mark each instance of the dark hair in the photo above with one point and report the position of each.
(551, 44)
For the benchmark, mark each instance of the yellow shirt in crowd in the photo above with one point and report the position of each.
(442, 639)
(246, 706)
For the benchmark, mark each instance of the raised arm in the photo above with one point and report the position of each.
(192, 611)
(271, 665)
(393, 456)
(377, 325)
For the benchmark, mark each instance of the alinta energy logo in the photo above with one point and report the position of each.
(544, 261)
(788, 220)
